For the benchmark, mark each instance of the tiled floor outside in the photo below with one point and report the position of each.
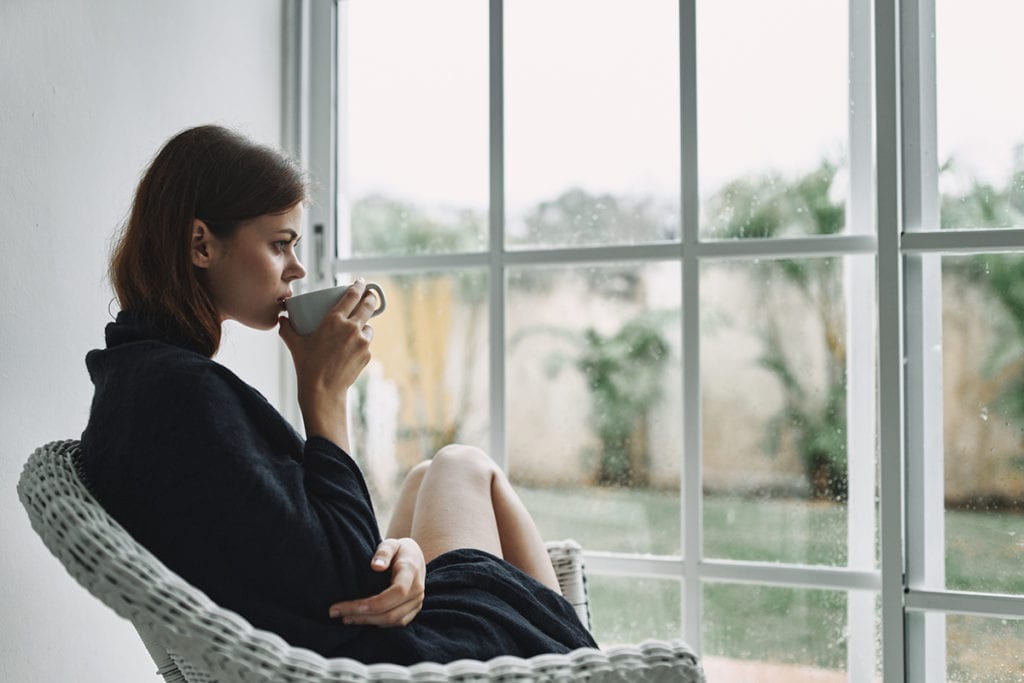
(721, 670)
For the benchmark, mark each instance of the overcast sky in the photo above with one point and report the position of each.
(591, 94)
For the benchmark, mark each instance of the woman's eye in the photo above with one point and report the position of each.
(283, 245)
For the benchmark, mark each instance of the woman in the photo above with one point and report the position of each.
(203, 471)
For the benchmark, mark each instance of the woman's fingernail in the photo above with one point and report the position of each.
(335, 613)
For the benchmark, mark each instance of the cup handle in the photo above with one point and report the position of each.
(375, 288)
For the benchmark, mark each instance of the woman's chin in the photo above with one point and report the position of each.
(262, 324)
(269, 324)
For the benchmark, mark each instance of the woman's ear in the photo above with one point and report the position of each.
(202, 244)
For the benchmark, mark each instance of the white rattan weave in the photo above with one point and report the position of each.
(193, 640)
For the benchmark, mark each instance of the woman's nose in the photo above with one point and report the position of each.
(295, 271)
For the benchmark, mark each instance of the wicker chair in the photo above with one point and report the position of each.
(192, 640)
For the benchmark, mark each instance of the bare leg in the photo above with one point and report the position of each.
(465, 501)
(521, 541)
(400, 525)
(454, 509)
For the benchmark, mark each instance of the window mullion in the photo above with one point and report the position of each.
(343, 210)
(692, 489)
(925, 509)
(496, 231)
(964, 602)
(890, 342)
(963, 241)
(323, 115)
(925, 513)
(859, 293)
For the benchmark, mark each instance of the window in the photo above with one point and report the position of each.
(963, 245)
(731, 289)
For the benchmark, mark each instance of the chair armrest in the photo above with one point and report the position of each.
(567, 559)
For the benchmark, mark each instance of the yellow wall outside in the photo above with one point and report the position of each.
(410, 340)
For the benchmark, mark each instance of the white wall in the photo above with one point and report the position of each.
(90, 89)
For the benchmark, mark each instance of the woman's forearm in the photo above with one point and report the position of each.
(327, 419)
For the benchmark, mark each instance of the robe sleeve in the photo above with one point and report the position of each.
(207, 475)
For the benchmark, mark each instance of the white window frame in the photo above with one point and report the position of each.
(891, 305)
(910, 118)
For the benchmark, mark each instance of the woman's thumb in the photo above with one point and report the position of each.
(385, 553)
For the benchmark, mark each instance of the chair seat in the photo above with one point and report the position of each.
(194, 640)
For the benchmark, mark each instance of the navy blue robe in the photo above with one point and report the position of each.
(207, 475)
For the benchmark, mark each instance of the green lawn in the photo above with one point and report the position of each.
(985, 552)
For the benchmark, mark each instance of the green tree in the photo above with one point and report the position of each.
(577, 217)
(624, 374)
(812, 418)
(982, 204)
(622, 370)
(387, 225)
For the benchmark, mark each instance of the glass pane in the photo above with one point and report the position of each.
(592, 122)
(773, 383)
(762, 633)
(983, 405)
(627, 611)
(594, 402)
(426, 385)
(772, 105)
(980, 113)
(413, 127)
(985, 650)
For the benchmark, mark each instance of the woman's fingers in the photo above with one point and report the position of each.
(358, 302)
(367, 306)
(386, 552)
(395, 606)
(361, 613)
(402, 600)
(351, 299)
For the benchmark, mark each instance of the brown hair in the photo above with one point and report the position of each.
(210, 173)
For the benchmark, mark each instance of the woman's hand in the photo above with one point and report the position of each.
(328, 361)
(400, 602)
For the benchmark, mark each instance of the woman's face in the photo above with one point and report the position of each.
(250, 273)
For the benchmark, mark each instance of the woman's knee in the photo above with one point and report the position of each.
(414, 477)
(468, 460)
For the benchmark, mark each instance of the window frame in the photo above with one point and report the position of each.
(921, 242)
(892, 215)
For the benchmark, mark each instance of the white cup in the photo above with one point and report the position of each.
(307, 310)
